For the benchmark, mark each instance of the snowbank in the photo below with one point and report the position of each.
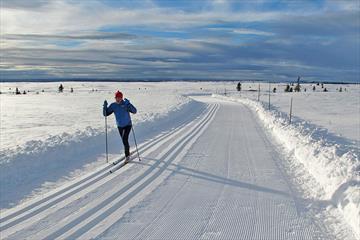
(333, 165)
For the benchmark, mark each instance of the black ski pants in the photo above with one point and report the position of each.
(124, 133)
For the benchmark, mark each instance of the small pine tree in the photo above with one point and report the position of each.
(17, 92)
(340, 90)
(325, 90)
(314, 88)
(287, 88)
(61, 88)
(297, 88)
(238, 87)
(274, 90)
(291, 89)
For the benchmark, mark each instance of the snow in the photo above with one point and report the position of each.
(333, 111)
(52, 153)
(72, 112)
(333, 164)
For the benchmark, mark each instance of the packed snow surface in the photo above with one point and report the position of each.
(332, 161)
(228, 166)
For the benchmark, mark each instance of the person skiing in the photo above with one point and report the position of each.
(122, 109)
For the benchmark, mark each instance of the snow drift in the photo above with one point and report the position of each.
(334, 165)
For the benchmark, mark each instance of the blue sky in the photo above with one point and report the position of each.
(158, 39)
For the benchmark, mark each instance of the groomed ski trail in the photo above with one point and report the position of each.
(65, 212)
(213, 178)
(228, 186)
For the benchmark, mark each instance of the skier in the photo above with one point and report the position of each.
(122, 109)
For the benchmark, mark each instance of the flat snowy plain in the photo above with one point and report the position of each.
(214, 166)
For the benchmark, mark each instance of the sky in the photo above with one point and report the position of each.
(176, 40)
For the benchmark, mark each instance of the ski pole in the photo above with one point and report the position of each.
(137, 150)
(106, 141)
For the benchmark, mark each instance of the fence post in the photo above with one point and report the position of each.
(269, 95)
(291, 102)
(259, 93)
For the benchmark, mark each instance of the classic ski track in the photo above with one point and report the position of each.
(101, 209)
(99, 222)
(31, 209)
(171, 135)
(12, 214)
(97, 179)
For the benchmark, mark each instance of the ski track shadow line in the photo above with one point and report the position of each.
(214, 178)
(101, 173)
(102, 216)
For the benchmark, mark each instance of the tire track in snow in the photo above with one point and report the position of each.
(31, 211)
(106, 207)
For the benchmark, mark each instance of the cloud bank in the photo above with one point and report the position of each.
(234, 40)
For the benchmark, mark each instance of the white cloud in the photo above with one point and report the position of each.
(252, 31)
(63, 17)
(36, 37)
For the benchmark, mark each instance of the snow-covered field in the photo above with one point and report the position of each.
(335, 111)
(44, 130)
(49, 139)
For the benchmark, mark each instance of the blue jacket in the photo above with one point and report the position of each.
(122, 112)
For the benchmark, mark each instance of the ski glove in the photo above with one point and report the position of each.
(105, 108)
(126, 102)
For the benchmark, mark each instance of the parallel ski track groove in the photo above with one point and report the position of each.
(30, 210)
(78, 220)
(143, 147)
(178, 154)
(72, 186)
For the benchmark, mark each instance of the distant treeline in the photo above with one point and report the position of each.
(164, 80)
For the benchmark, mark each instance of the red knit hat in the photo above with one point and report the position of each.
(119, 94)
